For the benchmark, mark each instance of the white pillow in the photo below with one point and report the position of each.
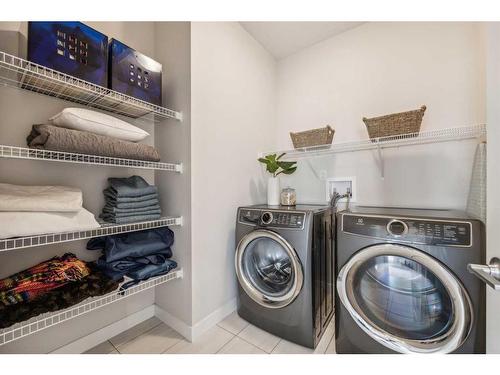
(98, 123)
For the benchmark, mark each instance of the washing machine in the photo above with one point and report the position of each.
(285, 269)
(403, 284)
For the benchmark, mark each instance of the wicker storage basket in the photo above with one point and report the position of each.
(313, 137)
(395, 124)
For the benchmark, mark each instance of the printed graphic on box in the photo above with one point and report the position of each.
(70, 47)
(134, 74)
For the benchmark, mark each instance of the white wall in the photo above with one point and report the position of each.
(233, 107)
(20, 109)
(493, 187)
(381, 68)
(173, 51)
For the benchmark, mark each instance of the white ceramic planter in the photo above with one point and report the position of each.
(273, 191)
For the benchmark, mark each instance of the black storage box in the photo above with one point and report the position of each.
(70, 47)
(134, 74)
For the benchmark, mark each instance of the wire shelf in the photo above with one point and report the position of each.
(47, 320)
(20, 73)
(14, 152)
(105, 230)
(432, 136)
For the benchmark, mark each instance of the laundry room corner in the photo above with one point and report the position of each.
(233, 115)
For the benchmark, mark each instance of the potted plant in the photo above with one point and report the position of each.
(275, 166)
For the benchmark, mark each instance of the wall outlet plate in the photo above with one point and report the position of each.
(340, 184)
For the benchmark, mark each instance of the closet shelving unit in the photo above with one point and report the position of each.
(44, 321)
(379, 144)
(13, 152)
(105, 230)
(24, 75)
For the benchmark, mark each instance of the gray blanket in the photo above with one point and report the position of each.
(49, 137)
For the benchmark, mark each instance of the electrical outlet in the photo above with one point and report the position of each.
(341, 184)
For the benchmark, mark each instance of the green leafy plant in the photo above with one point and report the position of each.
(275, 166)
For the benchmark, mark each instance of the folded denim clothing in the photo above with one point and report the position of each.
(20, 224)
(111, 196)
(133, 244)
(40, 198)
(128, 205)
(95, 284)
(130, 219)
(148, 271)
(121, 267)
(49, 137)
(114, 215)
(134, 186)
(151, 270)
(128, 211)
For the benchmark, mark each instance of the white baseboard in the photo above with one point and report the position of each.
(87, 342)
(211, 320)
(181, 327)
(191, 333)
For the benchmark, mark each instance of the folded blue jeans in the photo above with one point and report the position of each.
(133, 244)
(134, 186)
(148, 271)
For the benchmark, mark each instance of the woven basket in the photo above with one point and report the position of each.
(395, 124)
(313, 137)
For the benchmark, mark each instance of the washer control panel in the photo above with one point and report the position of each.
(276, 219)
(418, 231)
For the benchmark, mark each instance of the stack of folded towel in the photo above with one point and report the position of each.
(52, 285)
(130, 200)
(83, 131)
(34, 210)
(137, 255)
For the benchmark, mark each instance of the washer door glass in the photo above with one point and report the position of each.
(405, 299)
(268, 268)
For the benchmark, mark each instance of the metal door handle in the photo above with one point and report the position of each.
(490, 273)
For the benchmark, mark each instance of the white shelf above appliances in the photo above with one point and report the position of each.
(378, 144)
(425, 137)
(105, 230)
(26, 75)
(44, 321)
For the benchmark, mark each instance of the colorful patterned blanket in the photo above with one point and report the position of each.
(27, 285)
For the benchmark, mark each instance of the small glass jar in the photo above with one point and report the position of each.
(288, 197)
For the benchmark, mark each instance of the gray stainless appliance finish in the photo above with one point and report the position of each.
(285, 269)
(403, 285)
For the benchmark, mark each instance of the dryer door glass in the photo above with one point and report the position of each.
(405, 299)
(268, 268)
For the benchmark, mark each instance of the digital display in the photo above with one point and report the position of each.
(427, 232)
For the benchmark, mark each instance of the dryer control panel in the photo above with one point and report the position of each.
(272, 218)
(417, 231)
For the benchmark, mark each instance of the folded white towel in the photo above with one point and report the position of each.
(23, 224)
(40, 198)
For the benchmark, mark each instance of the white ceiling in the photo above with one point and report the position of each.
(282, 39)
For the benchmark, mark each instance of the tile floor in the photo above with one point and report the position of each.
(231, 336)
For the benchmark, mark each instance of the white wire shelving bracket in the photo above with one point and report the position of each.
(13, 152)
(105, 230)
(24, 74)
(44, 321)
(379, 144)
